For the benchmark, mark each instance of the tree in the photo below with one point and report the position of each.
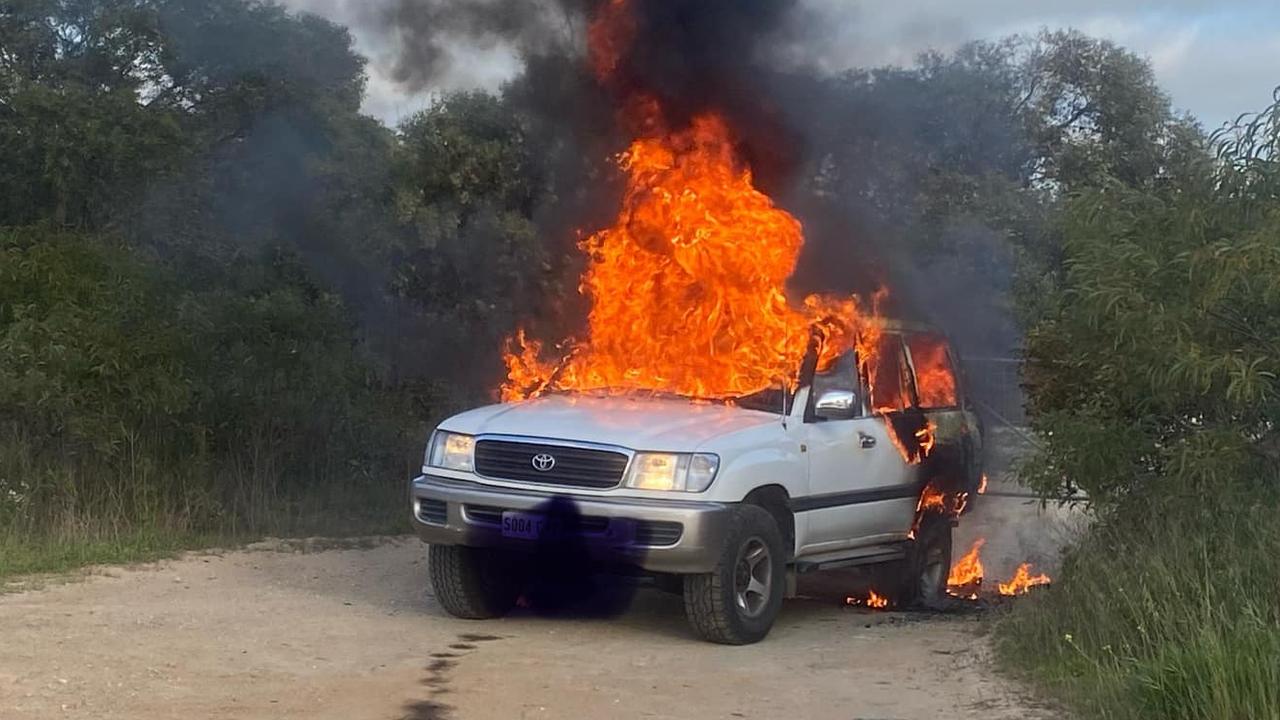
(193, 212)
(473, 260)
(75, 138)
(1157, 370)
(1094, 113)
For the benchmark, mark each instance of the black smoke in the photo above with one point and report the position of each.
(425, 32)
(693, 56)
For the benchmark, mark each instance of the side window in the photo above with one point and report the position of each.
(842, 375)
(887, 376)
(935, 376)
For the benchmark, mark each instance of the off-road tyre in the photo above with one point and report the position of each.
(668, 583)
(923, 580)
(473, 583)
(712, 600)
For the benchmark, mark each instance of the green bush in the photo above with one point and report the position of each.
(129, 403)
(1155, 386)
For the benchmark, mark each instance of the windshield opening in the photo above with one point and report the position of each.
(769, 400)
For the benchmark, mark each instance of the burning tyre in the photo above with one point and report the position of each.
(924, 578)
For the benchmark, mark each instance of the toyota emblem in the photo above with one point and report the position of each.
(542, 462)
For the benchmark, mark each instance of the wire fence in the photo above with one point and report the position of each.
(995, 384)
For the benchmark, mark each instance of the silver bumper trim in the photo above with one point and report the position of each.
(705, 524)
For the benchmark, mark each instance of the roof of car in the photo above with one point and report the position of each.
(897, 325)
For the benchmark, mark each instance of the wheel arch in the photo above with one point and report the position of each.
(775, 500)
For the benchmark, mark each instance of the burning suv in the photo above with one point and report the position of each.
(725, 501)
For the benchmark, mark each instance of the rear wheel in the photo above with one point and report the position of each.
(923, 582)
(473, 583)
(737, 602)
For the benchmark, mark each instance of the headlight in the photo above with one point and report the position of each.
(672, 472)
(451, 451)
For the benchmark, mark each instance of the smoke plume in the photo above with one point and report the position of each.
(859, 158)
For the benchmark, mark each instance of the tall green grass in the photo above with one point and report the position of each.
(59, 513)
(62, 511)
(1172, 616)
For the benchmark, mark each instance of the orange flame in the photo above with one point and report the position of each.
(687, 286)
(927, 437)
(935, 379)
(931, 499)
(982, 488)
(968, 571)
(967, 574)
(1023, 581)
(874, 600)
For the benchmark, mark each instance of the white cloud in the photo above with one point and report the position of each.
(1214, 59)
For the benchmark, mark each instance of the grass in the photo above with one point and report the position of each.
(1172, 616)
(24, 554)
(37, 553)
(21, 556)
(64, 506)
(72, 531)
(24, 557)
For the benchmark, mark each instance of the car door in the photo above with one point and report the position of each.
(862, 490)
(954, 465)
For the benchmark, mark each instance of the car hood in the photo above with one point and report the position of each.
(638, 423)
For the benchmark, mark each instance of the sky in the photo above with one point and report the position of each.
(1215, 59)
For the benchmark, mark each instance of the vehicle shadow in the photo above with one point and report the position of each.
(563, 582)
(564, 574)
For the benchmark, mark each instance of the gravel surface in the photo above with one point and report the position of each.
(287, 630)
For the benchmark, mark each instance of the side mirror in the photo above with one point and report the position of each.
(837, 405)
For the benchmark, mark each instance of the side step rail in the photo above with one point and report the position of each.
(850, 558)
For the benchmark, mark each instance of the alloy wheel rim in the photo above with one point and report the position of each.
(753, 577)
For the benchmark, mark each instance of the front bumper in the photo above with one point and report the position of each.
(674, 536)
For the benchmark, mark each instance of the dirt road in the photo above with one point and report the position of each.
(351, 634)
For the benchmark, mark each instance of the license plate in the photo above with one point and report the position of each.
(530, 526)
(536, 526)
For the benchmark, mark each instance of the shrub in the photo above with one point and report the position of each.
(1155, 385)
(129, 401)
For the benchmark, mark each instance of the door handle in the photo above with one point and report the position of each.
(866, 441)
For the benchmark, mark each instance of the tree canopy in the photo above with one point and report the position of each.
(205, 241)
(1155, 370)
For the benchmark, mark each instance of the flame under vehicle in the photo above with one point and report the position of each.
(724, 501)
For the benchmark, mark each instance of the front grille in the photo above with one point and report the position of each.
(574, 466)
(484, 515)
(658, 533)
(435, 512)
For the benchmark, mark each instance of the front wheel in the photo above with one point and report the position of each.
(473, 583)
(738, 601)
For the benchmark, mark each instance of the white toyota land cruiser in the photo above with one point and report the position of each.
(730, 499)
